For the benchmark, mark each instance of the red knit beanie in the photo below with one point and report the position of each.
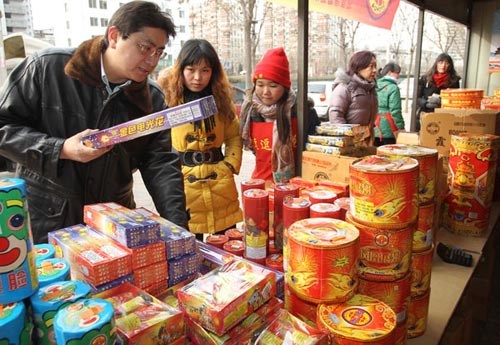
(273, 66)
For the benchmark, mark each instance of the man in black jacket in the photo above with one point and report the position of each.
(55, 97)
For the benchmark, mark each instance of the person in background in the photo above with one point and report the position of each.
(354, 98)
(55, 97)
(389, 119)
(210, 150)
(268, 123)
(442, 75)
(313, 118)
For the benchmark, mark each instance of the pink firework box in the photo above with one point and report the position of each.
(93, 256)
(219, 300)
(152, 123)
(143, 319)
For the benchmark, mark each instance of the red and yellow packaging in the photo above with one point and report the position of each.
(306, 311)
(471, 177)
(235, 234)
(396, 294)
(384, 253)
(424, 233)
(324, 210)
(360, 320)
(295, 209)
(280, 192)
(461, 98)
(256, 217)
(401, 333)
(417, 315)
(217, 240)
(235, 247)
(322, 196)
(384, 190)
(421, 266)
(321, 256)
(344, 204)
(256, 183)
(427, 164)
(275, 261)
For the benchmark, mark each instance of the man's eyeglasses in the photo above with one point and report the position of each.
(149, 50)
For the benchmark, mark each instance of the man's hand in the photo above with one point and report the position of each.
(74, 149)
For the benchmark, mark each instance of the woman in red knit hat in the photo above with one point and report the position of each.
(268, 122)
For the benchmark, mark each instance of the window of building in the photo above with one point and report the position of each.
(93, 21)
(69, 42)
(181, 14)
(104, 22)
(103, 4)
(92, 3)
(67, 24)
(8, 15)
(182, 28)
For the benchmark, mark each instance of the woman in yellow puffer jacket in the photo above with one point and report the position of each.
(210, 150)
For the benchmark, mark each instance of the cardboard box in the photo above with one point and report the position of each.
(437, 127)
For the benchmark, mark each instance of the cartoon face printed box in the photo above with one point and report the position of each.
(159, 121)
(121, 224)
(222, 298)
(93, 257)
(143, 319)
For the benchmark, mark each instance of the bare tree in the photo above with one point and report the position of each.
(344, 38)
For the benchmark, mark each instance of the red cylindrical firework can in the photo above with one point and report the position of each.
(235, 234)
(471, 175)
(322, 196)
(396, 294)
(321, 256)
(384, 252)
(343, 203)
(306, 311)
(256, 218)
(360, 320)
(256, 183)
(295, 209)
(421, 265)
(417, 315)
(384, 190)
(275, 261)
(280, 192)
(217, 240)
(427, 165)
(424, 233)
(235, 247)
(324, 210)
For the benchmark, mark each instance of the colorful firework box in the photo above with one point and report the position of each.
(147, 276)
(295, 331)
(129, 278)
(359, 133)
(329, 150)
(241, 333)
(328, 140)
(93, 257)
(143, 319)
(178, 241)
(148, 255)
(181, 267)
(152, 123)
(125, 226)
(213, 257)
(221, 299)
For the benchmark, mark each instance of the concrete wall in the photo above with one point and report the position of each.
(480, 43)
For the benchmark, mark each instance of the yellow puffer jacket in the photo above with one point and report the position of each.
(213, 203)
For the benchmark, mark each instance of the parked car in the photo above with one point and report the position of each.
(320, 92)
(238, 98)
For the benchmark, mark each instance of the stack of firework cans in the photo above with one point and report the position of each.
(471, 175)
(384, 208)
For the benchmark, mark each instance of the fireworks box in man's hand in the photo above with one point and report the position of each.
(152, 123)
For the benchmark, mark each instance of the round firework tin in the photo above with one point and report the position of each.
(52, 270)
(417, 315)
(18, 278)
(321, 256)
(384, 254)
(395, 294)
(235, 247)
(401, 333)
(275, 261)
(344, 204)
(44, 251)
(217, 240)
(322, 196)
(235, 234)
(324, 210)
(256, 217)
(306, 311)
(295, 209)
(427, 166)
(13, 324)
(48, 300)
(423, 236)
(383, 190)
(421, 266)
(87, 321)
(360, 320)
(281, 190)
(256, 183)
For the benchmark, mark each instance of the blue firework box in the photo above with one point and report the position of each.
(189, 112)
(14, 326)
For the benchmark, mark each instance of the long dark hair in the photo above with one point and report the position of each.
(452, 74)
(390, 67)
(360, 60)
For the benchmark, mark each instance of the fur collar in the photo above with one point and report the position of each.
(85, 66)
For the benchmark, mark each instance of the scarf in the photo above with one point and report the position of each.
(441, 80)
(282, 155)
(191, 96)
